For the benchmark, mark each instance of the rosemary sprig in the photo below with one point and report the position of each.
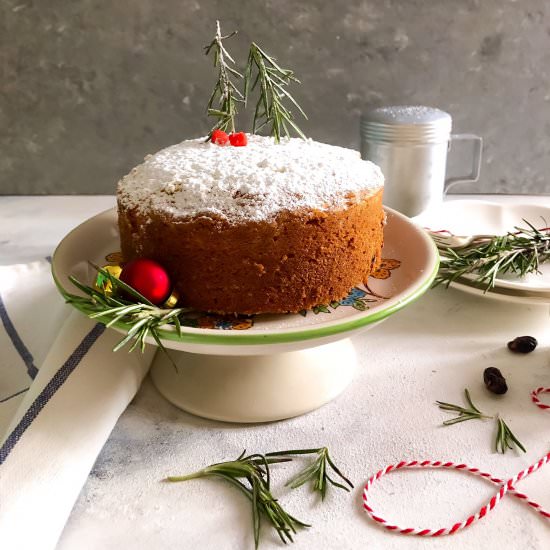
(272, 80)
(225, 91)
(254, 470)
(316, 472)
(520, 252)
(505, 438)
(463, 413)
(144, 317)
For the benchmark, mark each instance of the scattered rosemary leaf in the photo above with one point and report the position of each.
(505, 438)
(470, 413)
(316, 472)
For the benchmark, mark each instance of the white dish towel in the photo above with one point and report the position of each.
(62, 390)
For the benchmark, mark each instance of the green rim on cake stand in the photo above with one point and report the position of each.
(265, 367)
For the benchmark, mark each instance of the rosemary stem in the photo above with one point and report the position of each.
(233, 467)
(195, 475)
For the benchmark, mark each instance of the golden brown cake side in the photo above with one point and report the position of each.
(292, 262)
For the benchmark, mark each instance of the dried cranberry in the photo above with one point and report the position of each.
(523, 344)
(495, 382)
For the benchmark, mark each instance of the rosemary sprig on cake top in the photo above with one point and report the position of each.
(271, 80)
(262, 73)
(487, 257)
(225, 91)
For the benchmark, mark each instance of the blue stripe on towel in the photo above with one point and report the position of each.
(18, 344)
(48, 392)
(4, 399)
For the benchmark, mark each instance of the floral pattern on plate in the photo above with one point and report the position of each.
(359, 298)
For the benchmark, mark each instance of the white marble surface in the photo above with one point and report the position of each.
(431, 350)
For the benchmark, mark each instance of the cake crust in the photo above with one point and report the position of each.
(293, 262)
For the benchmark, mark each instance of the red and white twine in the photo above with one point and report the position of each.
(506, 487)
(535, 398)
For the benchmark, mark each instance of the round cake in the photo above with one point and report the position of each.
(265, 228)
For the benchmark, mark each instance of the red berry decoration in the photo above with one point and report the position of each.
(149, 278)
(219, 137)
(238, 139)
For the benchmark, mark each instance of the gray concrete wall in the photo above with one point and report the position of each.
(87, 88)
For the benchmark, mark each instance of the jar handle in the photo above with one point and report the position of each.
(477, 149)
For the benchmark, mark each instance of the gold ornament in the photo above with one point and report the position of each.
(172, 300)
(102, 283)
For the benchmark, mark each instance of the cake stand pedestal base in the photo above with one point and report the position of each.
(255, 388)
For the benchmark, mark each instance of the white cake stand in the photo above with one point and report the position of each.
(268, 367)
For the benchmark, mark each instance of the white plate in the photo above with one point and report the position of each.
(404, 242)
(505, 294)
(468, 217)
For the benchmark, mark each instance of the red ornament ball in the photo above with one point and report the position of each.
(219, 137)
(149, 278)
(238, 139)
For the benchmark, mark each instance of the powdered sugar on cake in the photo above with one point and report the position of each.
(254, 182)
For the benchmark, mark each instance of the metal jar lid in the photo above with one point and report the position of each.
(406, 124)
